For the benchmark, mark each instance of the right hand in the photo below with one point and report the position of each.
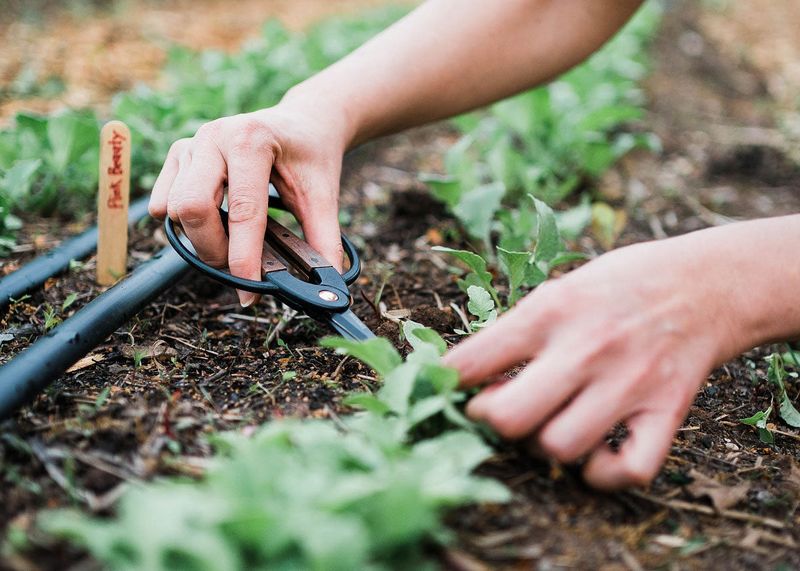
(285, 145)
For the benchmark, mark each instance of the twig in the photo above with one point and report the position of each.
(337, 371)
(187, 344)
(681, 505)
(461, 315)
(706, 214)
(59, 477)
(288, 315)
(250, 318)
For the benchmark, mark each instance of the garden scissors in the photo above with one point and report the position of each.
(324, 297)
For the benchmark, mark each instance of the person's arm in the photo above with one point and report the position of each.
(451, 56)
(445, 57)
(629, 337)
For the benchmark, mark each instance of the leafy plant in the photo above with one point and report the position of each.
(759, 420)
(363, 494)
(778, 376)
(51, 318)
(522, 270)
(48, 164)
(546, 143)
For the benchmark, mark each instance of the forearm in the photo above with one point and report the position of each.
(753, 270)
(450, 56)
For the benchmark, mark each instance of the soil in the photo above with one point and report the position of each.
(194, 362)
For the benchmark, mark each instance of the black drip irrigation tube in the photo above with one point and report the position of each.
(51, 355)
(36, 272)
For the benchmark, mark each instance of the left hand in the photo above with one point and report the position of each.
(628, 338)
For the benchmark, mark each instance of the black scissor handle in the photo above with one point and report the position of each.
(309, 297)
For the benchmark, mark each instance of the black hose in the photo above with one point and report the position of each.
(49, 356)
(37, 271)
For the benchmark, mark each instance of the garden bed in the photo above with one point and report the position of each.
(194, 362)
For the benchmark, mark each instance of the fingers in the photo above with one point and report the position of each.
(519, 406)
(248, 184)
(320, 223)
(641, 455)
(494, 350)
(195, 197)
(158, 198)
(584, 423)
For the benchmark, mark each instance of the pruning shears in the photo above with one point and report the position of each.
(324, 297)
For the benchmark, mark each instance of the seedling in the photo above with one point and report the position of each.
(362, 493)
(51, 318)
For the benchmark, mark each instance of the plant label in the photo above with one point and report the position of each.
(112, 202)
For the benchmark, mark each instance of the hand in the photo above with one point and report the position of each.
(287, 145)
(628, 338)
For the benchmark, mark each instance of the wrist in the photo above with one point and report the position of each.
(749, 288)
(325, 106)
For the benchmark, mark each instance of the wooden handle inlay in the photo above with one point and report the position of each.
(270, 263)
(293, 248)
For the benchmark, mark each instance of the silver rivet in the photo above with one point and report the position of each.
(328, 295)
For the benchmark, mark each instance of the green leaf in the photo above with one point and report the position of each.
(515, 267)
(70, 135)
(776, 374)
(377, 353)
(478, 266)
(419, 336)
(573, 221)
(17, 181)
(476, 209)
(445, 188)
(482, 306)
(398, 385)
(788, 412)
(548, 240)
(759, 420)
(367, 402)
(70, 299)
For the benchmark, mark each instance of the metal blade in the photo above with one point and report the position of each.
(348, 325)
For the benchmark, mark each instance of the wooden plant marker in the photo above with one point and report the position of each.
(112, 202)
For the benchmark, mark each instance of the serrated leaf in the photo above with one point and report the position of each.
(480, 303)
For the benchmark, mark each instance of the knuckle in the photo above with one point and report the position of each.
(156, 210)
(252, 135)
(244, 207)
(177, 147)
(192, 211)
(215, 261)
(241, 264)
(209, 130)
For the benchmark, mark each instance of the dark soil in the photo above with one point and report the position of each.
(194, 362)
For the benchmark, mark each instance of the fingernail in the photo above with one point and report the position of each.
(246, 298)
